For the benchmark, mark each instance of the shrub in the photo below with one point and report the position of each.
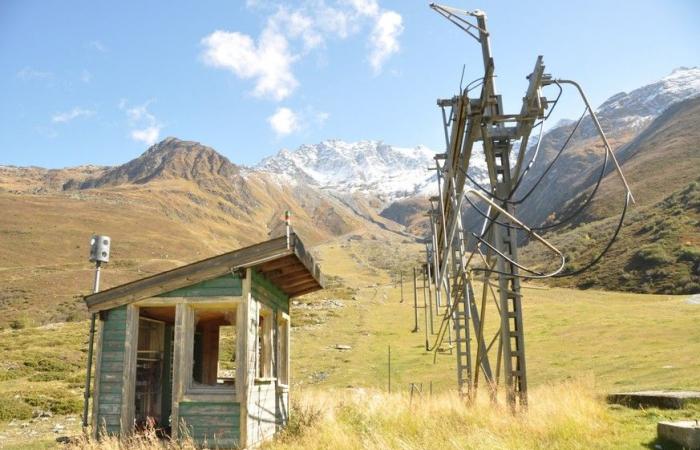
(48, 364)
(59, 402)
(12, 408)
(650, 255)
(689, 253)
(18, 324)
(47, 376)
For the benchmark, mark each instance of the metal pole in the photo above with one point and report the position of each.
(425, 309)
(430, 297)
(389, 368)
(91, 343)
(401, 278)
(415, 302)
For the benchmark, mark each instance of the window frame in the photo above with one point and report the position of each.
(283, 354)
(202, 389)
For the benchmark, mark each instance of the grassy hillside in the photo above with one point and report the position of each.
(591, 337)
(658, 249)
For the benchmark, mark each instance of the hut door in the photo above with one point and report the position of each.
(150, 362)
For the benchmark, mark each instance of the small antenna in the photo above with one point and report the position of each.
(288, 226)
(99, 253)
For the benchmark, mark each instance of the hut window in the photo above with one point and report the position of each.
(213, 348)
(283, 349)
(264, 363)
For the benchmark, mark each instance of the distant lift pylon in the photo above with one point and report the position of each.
(467, 121)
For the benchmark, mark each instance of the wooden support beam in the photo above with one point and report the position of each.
(272, 265)
(288, 280)
(98, 369)
(289, 271)
(305, 291)
(301, 284)
(131, 343)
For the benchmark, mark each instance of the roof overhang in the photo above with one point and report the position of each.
(290, 267)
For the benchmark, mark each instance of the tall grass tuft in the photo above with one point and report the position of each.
(560, 416)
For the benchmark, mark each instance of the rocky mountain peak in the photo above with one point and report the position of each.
(170, 158)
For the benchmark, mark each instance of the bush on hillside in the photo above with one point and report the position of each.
(651, 255)
(12, 408)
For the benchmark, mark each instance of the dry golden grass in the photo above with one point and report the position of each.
(561, 416)
(566, 415)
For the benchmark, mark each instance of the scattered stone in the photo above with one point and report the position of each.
(332, 304)
(64, 440)
(342, 347)
(693, 300)
(685, 433)
(58, 428)
(319, 376)
(655, 399)
(45, 414)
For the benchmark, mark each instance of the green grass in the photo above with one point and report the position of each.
(601, 341)
(657, 250)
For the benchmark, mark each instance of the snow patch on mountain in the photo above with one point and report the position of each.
(637, 108)
(371, 167)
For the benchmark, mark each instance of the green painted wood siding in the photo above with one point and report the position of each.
(111, 370)
(268, 293)
(217, 423)
(227, 285)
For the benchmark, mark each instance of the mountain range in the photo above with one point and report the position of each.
(181, 201)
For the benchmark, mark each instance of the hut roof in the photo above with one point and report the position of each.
(273, 259)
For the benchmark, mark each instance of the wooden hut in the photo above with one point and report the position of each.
(202, 349)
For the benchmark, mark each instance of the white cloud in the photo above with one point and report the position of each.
(384, 38)
(148, 135)
(269, 61)
(85, 76)
(291, 33)
(97, 45)
(74, 113)
(366, 7)
(321, 118)
(284, 121)
(144, 125)
(28, 73)
(296, 24)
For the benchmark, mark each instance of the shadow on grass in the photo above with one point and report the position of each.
(662, 444)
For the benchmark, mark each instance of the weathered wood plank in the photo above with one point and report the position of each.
(112, 355)
(227, 285)
(110, 408)
(187, 275)
(110, 398)
(129, 373)
(209, 408)
(230, 422)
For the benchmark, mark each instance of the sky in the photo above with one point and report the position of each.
(97, 82)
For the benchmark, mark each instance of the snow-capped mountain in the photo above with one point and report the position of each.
(392, 173)
(365, 166)
(369, 167)
(638, 107)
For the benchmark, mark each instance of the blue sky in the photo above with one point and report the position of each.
(96, 82)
